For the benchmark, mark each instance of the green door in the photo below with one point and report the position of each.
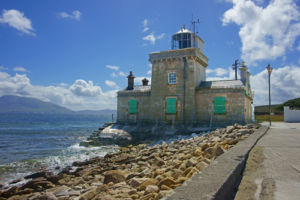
(171, 106)
(219, 105)
(132, 106)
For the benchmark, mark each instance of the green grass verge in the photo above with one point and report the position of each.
(275, 118)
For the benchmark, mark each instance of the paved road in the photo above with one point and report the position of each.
(275, 174)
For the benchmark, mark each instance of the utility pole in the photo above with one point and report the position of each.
(235, 67)
(269, 68)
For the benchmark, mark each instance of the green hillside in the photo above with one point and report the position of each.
(278, 108)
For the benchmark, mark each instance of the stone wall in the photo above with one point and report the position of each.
(144, 109)
(235, 104)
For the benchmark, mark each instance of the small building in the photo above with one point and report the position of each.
(179, 92)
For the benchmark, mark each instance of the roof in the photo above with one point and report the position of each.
(222, 84)
(184, 30)
(138, 88)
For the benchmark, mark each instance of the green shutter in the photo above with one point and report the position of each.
(171, 106)
(132, 106)
(219, 105)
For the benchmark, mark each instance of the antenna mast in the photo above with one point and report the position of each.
(235, 67)
(194, 30)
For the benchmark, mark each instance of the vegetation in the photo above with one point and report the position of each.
(262, 112)
(293, 103)
(274, 118)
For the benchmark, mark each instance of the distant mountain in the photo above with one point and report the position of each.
(16, 104)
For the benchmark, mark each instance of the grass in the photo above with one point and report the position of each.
(274, 118)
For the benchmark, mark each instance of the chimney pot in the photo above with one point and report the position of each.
(145, 81)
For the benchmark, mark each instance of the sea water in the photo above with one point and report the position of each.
(31, 142)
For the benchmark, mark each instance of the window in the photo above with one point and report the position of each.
(132, 106)
(219, 105)
(172, 78)
(171, 106)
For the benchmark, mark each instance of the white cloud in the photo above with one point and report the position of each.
(284, 85)
(112, 84)
(221, 71)
(220, 74)
(20, 69)
(145, 29)
(152, 38)
(17, 20)
(145, 25)
(217, 71)
(2, 68)
(80, 96)
(122, 74)
(113, 67)
(149, 72)
(145, 22)
(298, 47)
(76, 14)
(114, 75)
(83, 88)
(138, 80)
(266, 33)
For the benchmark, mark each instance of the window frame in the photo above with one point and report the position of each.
(172, 80)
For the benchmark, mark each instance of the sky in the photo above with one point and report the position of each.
(77, 53)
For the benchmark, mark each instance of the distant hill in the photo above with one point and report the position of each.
(16, 104)
(278, 108)
(293, 103)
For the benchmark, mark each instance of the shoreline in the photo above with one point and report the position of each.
(134, 172)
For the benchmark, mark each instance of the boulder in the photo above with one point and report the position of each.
(39, 174)
(181, 180)
(151, 189)
(158, 161)
(136, 182)
(201, 165)
(229, 129)
(149, 196)
(38, 184)
(150, 181)
(168, 181)
(61, 191)
(114, 176)
(88, 195)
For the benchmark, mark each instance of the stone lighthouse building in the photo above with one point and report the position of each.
(179, 92)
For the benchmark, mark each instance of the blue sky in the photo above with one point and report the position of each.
(77, 53)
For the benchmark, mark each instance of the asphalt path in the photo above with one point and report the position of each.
(273, 168)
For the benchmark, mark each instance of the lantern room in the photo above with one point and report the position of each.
(184, 38)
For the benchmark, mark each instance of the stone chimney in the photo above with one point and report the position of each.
(145, 81)
(244, 71)
(130, 81)
(248, 78)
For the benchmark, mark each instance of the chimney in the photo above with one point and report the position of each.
(130, 81)
(145, 82)
(244, 71)
(248, 78)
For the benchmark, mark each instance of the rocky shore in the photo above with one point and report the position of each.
(134, 172)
